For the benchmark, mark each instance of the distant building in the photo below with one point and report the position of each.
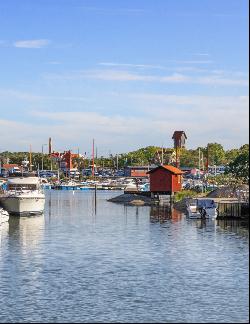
(10, 169)
(179, 138)
(65, 160)
(137, 171)
(216, 169)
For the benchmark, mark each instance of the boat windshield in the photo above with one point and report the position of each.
(206, 203)
(15, 186)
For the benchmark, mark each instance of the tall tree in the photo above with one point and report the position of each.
(239, 168)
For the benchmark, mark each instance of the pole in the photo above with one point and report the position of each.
(30, 159)
(117, 159)
(176, 152)
(199, 159)
(93, 158)
(42, 157)
(95, 197)
(207, 158)
(162, 155)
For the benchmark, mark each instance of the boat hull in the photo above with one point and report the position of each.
(22, 205)
(206, 213)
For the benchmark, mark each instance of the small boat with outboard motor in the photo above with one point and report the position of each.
(201, 208)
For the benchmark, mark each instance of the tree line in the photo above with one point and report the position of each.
(236, 160)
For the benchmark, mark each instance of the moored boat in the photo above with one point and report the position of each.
(201, 208)
(23, 196)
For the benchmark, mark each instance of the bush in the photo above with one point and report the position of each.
(184, 194)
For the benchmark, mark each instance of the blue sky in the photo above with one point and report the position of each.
(127, 73)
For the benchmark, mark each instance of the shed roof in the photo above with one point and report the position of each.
(10, 166)
(170, 168)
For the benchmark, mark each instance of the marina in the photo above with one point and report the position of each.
(124, 161)
(84, 263)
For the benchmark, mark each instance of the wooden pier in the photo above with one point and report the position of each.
(234, 210)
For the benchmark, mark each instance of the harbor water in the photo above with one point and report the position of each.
(106, 262)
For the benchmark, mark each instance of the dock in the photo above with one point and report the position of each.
(233, 210)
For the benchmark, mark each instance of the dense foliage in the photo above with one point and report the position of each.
(239, 167)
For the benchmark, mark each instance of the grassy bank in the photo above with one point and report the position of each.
(185, 194)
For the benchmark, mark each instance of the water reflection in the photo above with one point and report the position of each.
(160, 213)
(125, 264)
(26, 232)
(240, 227)
(3, 233)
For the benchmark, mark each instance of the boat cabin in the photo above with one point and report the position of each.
(23, 184)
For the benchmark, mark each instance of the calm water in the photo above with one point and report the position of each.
(120, 264)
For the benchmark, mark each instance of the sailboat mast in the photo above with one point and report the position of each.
(93, 158)
(30, 159)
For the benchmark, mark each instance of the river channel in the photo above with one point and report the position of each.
(81, 262)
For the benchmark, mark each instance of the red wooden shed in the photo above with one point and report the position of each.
(165, 179)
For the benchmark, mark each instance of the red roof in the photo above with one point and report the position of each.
(10, 166)
(170, 168)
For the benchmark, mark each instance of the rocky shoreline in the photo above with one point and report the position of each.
(227, 192)
(132, 199)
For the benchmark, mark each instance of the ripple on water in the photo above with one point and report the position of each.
(121, 264)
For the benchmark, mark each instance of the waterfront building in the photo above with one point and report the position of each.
(165, 179)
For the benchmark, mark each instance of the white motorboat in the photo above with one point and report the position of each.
(4, 216)
(131, 186)
(23, 196)
(201, 208)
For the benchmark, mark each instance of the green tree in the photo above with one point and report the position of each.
(239, 168)
(216, 153)
(189, 158)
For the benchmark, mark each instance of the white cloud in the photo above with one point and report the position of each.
(201, 54)
(54, 63)
(211, 80)
(34, 43)
(122, 75)
(10, 94)
(193, 61)
(204, 119)
(129, 65)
